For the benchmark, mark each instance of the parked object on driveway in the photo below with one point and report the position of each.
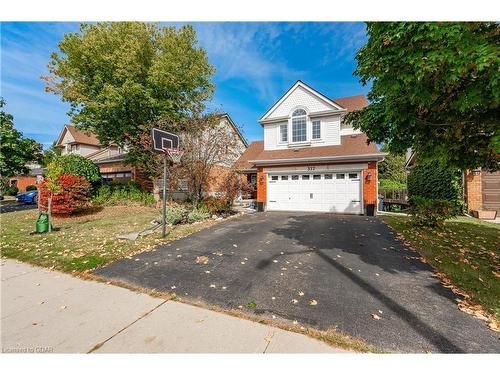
(29, 197)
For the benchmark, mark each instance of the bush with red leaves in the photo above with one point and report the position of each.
(74, 195)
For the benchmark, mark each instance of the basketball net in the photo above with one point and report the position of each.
(175, 154)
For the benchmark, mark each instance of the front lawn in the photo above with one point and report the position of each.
(85, 241)
(466, 250)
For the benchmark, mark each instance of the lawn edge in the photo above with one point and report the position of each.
(466, 304)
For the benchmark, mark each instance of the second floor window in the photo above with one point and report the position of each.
(299, 126)
(284, 133)
(316, 130)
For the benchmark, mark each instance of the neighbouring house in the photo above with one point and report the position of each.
(112, 166)
(481, 189)
(34, 176)
(310, 159)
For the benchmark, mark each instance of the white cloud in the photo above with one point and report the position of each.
(237, 51)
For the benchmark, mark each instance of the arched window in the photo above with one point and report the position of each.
(299, 125)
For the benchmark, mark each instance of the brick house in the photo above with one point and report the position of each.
(111, 159)
(310, 159)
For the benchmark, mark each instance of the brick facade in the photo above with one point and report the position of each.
(473, 190)
(370, 179)
(22, 182)
(261, 186)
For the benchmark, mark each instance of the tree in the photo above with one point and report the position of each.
(123, 78)
(76, 165)
(15, 150)
(50, 154)
(209, 144)
(391, 171)
(435, 89)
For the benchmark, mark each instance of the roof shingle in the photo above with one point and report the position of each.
(352, 103)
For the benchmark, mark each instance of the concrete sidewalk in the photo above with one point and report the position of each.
(47, 311)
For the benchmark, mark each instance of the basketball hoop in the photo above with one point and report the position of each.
(175, 154)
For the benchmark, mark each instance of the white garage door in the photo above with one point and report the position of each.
(322, 192)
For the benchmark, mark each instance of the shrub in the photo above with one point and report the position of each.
(75, 165)
(11, 190)
(176, 215)
(215, 205)
(435, 181)
(122, 193)
(73, 194)
(198, 215)
(391, 185)
(430, 212)
(31, 187)
(234, 186)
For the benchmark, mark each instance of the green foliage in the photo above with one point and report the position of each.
(434, 181)
(391, 185)
(428, 212)
(122, 193)
(76, 165)
(435, 88)
(177, 215)
(50, 154)
(11, 190)
(198, 215)
(123, 78)
(31, 187)
(391, 171)
(215, 205)
(15, 150)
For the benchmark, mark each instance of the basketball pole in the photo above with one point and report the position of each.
(164, 221)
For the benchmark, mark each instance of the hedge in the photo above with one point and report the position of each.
(75, 165)
(432, 180)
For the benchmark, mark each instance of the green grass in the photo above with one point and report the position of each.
(467, 250)
(85, 241)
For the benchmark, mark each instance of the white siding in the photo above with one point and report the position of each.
(332, 130)
(300, 97)
(346, 129)
(270, 137)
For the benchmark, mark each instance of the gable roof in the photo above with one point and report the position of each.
(243, 164)
(79, 136)
(306, 87)
(235, 128)
(352, 103)
(352, 147)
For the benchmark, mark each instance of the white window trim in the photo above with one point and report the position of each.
(320, 131)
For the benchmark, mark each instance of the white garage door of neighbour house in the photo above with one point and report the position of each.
(321, 192)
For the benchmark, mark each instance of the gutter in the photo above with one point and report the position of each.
(378, 156)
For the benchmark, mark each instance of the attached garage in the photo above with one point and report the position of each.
(320, 192)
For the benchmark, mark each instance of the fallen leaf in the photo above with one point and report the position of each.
(63, 307)
(242, 262)
(202, 260)
(212, 285)
(301, 294)
(294, 301)
(313, 302)
(275, 261)
(234, 245)
(376, 317)
(173, 287)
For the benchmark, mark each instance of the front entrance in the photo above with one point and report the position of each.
(319, 192)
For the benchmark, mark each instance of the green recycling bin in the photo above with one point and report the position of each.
(42, 224)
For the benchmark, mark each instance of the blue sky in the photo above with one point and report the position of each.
(255, 62)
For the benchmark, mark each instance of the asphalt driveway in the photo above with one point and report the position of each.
(320, 270)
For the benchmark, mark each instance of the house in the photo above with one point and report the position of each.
(34, 176)
(111, 159)
(310, 159)
(481, 189)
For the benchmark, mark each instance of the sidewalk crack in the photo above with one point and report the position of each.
(100, 344)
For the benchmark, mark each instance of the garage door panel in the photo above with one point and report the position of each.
(339, 192)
